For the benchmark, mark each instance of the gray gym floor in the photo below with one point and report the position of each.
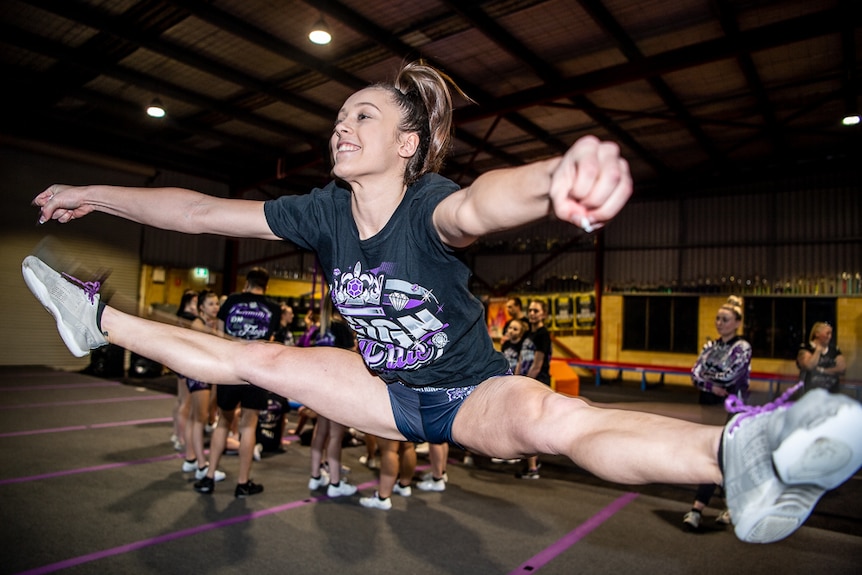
(90, 484)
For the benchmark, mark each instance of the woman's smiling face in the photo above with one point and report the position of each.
(366, 139)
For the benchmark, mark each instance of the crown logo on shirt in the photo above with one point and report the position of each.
(358, 288)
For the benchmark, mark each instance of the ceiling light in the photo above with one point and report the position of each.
(850, 119)
(320, 33)
(155, 109)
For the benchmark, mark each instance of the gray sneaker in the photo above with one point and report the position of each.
(692, 519)
(73, 303)
(780, 459)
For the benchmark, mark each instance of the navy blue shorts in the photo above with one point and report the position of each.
(426, 413)
(194, 385)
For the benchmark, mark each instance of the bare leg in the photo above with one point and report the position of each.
(407, 462)
(397, 463)
(388, 467)
(331, 381)
(247, 427)
(333, 451)
(181, 411)
(318, 444)
(625, 447)
(218, 441)
(212, 414)
(438, 454)
(370, 450)
(195, 426)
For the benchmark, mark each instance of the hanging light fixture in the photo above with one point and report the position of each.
(320, 32)
(850, 119)
(155, 109)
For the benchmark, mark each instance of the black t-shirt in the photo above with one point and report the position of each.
(535, 341)
(338, 335)
(250, 316)
(814, 379)
(403, 292)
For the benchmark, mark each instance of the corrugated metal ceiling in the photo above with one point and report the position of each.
(690, 89)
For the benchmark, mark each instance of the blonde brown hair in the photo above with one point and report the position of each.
(422, 93)
(733, 304)
(816, 328)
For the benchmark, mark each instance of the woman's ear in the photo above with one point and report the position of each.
(408, 145)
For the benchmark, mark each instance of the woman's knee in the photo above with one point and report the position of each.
(552, 418)
(256, 359)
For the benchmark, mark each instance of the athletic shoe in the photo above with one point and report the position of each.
(723, 518)
(468, 461)
(374, 502)
(422, 448)
(205, 485)
(189, 466)
(529, 473)
(321, 480)
(200, 473)
(779, 460)
(258, 449)
(178, 445)
(403, 491)
(340, 489)
(692, 519)
(315, 483)
(73, 303)
(247, 489)
(432, 484)
(507, 461)
(430, 475)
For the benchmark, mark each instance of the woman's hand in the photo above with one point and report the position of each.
(591, 184)
(62, 203)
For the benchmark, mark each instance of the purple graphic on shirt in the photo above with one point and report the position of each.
(394, 319)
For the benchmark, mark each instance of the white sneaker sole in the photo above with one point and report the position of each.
(340, 493)
(41, 292)
(825, 452)
(791, 509)
(369, 503)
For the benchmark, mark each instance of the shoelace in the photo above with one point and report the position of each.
(90, 288)
(734, 404)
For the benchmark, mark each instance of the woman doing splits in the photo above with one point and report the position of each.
(388, 231)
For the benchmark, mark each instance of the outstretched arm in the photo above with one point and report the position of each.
(587, 186)
(174, 209)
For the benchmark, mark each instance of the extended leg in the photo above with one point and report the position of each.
(625, 447)
(332, 381)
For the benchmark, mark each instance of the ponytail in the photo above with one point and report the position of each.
(422, 93)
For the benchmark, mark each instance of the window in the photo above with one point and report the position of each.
(660, 323)
(776, 326)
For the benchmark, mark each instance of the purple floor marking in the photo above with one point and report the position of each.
(168, 537)
(87, 401)
(104, 467)
(84, 427)
(548, 554)
(62, 386)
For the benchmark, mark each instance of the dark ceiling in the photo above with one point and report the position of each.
(690, 89)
